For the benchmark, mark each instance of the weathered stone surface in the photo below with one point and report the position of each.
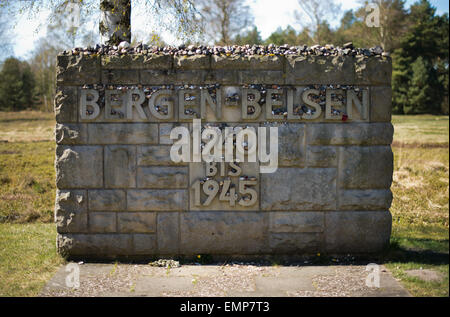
(79, 166)
(120, 77)
(350, 134)
(102, 222)
(66, 104)
(162, 177)
(156, 76)
(223, 76)
(197, 172)
(168, 232)
(373, 71)
(124, 62)
(307, 70)
(187, 77)
(365, 167)
(260, 77)
(136, 222)
(192, 62)
(292, 221)
(71, 133)
(308, 189)
(164, 131)
(107, 200)
(154, 61)
(157, 199)
(257, 62)
(288, 243)
(77, 69)
(223, 232)
(71, 211)
(291, 144)
(117, 182)
(95, 245)
(144, 244)
(321, 156)
(381, 104)
(357, 231)
(375, 199)
(123, 133)
(155, 155)
(120, 166)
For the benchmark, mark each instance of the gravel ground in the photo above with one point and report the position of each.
(218, 280)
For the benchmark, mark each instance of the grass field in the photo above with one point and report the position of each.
(420, 236)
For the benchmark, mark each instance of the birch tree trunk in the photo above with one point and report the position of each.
(115, 24)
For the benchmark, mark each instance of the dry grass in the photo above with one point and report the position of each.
(420, 208)
(26, 126)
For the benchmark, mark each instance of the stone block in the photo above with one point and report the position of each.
(188, 77)
(194, 62)
(94, 245)
(365, 167)
(156, 61)
(255, 62)
(155, 155)
(197, 172)
(102, 222)
(357, 231)
(299, 189)
(74, 70)
(123, 133)
(79, 166)
(71, 133)
(380, 104)
(321, 156)
(136, 222)
(375, 199)
(292, 221)
(121, 76)
(223, 233)
(123, 62)
(157, 200)
(168, 232)
(223, 77)
(373, 70)
(164, 131)
(144, 244)
(120, 166)
(162, 177)
(291, 143)
(156, 76)
(266, 77)
(71, 211)
(291, 243)
(308, 70)
(66, 104)
(349, 134)
(107, 200)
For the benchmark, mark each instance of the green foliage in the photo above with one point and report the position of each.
(289, 36)
(422, 92)
(251, 37)
(420, 65)
(17, 85)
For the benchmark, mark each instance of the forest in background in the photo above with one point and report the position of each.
(416, 38)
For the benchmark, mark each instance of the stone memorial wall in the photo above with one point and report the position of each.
(119, 193)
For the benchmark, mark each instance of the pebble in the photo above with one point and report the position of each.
(235, 50)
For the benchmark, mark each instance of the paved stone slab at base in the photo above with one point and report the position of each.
(230, 280)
